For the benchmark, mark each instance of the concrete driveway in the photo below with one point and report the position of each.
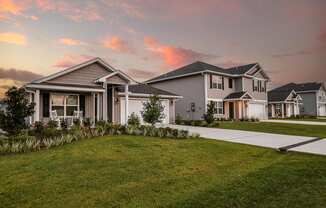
(275, 141)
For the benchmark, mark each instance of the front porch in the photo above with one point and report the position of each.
(283, 109)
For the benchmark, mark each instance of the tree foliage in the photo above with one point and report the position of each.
(209, 115)
(12, 120)
(153, 110)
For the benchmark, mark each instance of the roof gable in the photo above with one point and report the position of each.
(97, 67)
(201, 67)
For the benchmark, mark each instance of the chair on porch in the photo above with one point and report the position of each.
(54, 116)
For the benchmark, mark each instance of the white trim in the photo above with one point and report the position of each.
(126, 103)
(105, 102)
(112, 103)
(148, 95)
(98, 106)
(252, 68)
(213, 99)
(68, 88)
(37, 105)
(205, 92)
(73, 68)
(103, 79)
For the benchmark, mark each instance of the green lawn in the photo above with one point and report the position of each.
(127, 171)
(277, 128)
(303, 119)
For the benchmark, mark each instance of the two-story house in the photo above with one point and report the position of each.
(238, 92)
(312, 94)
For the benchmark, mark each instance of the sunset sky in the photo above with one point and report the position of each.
(148, 37)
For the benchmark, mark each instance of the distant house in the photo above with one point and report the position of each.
(93, 90)
(237, 92)
(283, 103)
(312, 94)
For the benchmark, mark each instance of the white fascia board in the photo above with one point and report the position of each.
(103, 79)
(67, 88)
(148, 95)
(215, 99)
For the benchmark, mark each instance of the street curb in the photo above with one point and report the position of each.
(286, 148)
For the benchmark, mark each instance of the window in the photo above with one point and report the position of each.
(219, 107)
(230, 83)
(216, 82)
(65, 105)
(278, 110)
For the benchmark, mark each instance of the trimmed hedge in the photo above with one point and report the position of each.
(40, 138)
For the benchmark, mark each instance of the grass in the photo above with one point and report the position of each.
(277, 128)
(127, 171)
(303, 119)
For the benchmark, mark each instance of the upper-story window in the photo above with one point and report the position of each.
(230, 83)
(216, 82)
(258, 85)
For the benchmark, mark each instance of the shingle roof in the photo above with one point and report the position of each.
(309, 86)
(236, 95)
(145, 89)
(199, 66)
(276, 95)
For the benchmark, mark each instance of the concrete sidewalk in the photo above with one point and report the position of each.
(296, 122)
(274, 141)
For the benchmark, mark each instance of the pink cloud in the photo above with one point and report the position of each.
(322, 36)
(12, 7)
(117, 44)
(69, 60)
(74, 12)
(173, 56)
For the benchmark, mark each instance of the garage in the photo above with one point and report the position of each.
(257, 110)
(322, 110)
(136, 106)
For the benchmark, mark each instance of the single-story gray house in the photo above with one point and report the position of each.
(313, 95)
(283, 103)
(94, 90)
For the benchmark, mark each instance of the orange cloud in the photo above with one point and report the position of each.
(70, 42)
(69, 60)
(13, 38)
(12, 7)
(117, 44)
(35, 18)
(173, 56)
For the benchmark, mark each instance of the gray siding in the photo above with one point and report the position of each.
(249, 88)
(83, 76)
(192, 90)
(238, 84)
(309, 106)
(220, 94)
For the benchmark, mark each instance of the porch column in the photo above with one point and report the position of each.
(105, 102)
(94, 107)
(98, 107)
(273, 110)
(112, 104)
(126, 103)
(282, 105)
(37, 105)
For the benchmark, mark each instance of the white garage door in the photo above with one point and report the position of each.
(322, 110)
(257, 110)
(136, 106)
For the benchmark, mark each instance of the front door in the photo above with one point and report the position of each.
(231, 110)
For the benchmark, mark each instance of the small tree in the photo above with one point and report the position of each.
(209, 115)
(18, 108)
(153, 110)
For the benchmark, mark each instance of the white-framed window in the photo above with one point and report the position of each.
(64, 104)
(218, 107)
(216, 82)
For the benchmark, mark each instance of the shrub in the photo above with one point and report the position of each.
(87, 122)
(153, 110)
(38, 128)
(12, 120)
(133, 120)
(64, 124)
(52, 124)
(178, 119)
(209, 115)
(76, 122)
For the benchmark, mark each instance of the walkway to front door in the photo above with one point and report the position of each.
(275, 141)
